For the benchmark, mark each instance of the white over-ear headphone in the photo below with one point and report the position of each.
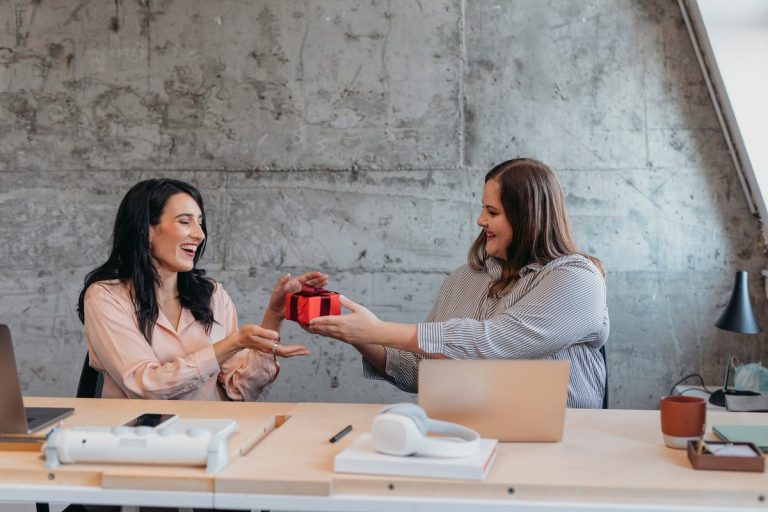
(401, 429)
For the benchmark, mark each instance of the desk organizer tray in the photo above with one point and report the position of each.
(709, 460)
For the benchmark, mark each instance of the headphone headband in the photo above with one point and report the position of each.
(401, 429)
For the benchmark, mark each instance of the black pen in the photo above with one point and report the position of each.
(346, 430)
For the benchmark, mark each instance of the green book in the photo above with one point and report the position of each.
(757, 434)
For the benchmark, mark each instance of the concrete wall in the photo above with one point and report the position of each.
(352, 137)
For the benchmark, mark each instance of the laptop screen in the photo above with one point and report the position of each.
(13, 416)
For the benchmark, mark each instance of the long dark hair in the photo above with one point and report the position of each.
(130, 259)
(534, 204)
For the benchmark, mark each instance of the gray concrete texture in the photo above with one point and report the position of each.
(352, 137)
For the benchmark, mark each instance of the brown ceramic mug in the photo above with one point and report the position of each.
(682, 418)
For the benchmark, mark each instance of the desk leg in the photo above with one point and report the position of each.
(42, 507)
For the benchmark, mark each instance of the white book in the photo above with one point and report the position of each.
(361, 457)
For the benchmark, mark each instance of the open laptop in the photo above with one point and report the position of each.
(508, 400)
(14, 417)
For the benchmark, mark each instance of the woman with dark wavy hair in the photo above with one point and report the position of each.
(526, 293)
(156, 326)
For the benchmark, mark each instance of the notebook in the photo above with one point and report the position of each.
(508, 400)
(361, 457)
(757, 434)
(14, 417)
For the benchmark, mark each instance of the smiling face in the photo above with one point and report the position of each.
(493, 220)
(174, 240)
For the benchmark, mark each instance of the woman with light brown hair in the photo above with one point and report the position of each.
(526, 293)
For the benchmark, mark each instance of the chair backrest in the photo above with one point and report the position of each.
(91, 381)
(605, 363)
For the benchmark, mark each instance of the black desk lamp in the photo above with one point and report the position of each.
(737, 317)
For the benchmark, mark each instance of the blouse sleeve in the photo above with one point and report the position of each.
(567, 305)
(245, 375)
(116, 340)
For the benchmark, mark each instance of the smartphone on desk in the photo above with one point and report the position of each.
(151, 419)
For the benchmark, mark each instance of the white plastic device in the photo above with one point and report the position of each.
(186, 442)
(401, 429)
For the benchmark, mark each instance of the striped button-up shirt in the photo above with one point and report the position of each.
(554, 311)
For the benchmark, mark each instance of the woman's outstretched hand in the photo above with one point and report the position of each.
(360, 327)
(267, 341)
(287, 284)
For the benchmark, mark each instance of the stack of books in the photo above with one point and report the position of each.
(361, 457)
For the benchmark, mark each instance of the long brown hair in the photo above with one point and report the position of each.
(534, 205)
(130, 259)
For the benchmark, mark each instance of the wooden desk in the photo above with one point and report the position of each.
(609, 459)
(191, 486)
(297, 458)
(612, 458)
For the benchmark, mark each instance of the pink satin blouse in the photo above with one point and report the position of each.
(180, 363)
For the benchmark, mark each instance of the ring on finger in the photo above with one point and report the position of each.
(274, 349)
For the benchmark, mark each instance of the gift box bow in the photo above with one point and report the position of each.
(308, 290)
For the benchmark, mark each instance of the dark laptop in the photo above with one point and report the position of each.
(14, 417)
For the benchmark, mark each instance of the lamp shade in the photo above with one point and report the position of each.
(738, 315)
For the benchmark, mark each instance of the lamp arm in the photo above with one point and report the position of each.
(728, 365)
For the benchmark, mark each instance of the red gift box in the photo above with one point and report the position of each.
(310, 303)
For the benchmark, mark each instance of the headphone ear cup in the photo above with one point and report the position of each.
(396, 434)
(412, 411)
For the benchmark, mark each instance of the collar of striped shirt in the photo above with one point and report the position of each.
(493, 267)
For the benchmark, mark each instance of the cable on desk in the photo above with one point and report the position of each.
(692, 389)
(701, 379)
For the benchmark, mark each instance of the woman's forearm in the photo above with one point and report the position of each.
(226, 348)
(403, 337)
(400, 336)
(271, 320)
(361, 327)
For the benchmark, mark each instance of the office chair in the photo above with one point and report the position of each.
(605, 363)
(91, 381)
